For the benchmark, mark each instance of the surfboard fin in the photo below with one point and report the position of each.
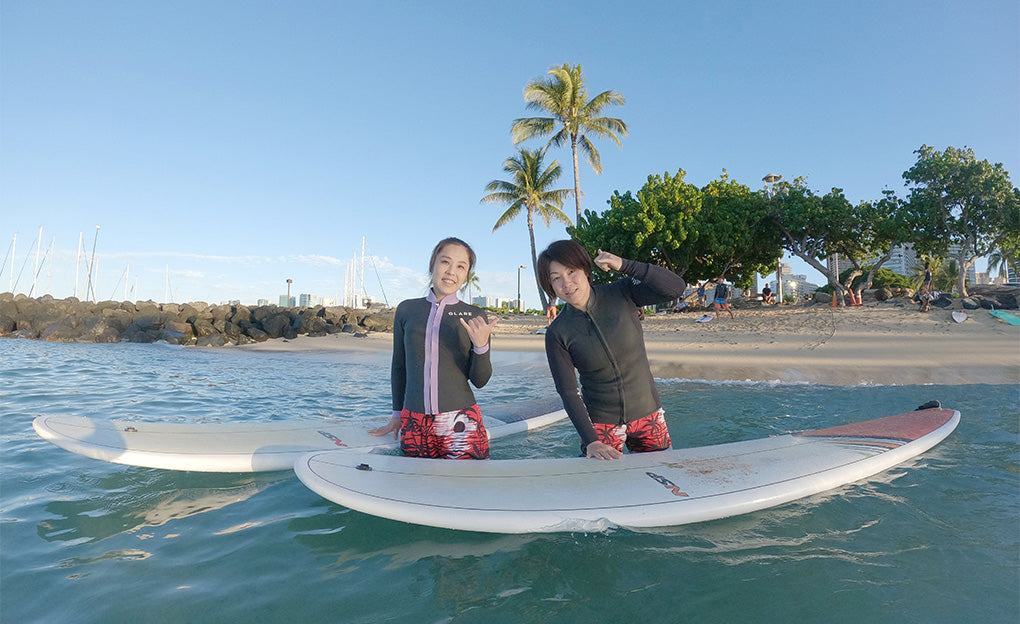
(929, 405)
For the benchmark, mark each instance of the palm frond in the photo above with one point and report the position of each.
(590, 154)
(530, 127)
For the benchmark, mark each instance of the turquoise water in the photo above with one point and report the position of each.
(933, 540)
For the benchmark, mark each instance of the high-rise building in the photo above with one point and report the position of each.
(903, 260)
(971, 272)
(835, 261)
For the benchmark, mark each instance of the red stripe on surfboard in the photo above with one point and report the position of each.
(909, 426)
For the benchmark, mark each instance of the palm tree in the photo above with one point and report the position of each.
(564, 97)
(944, 273)
(470, 283)
(530, 190)
(1002, 259)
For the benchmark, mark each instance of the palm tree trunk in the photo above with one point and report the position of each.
(534, 261)
(577, 179)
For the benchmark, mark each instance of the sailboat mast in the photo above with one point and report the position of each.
(77, 262)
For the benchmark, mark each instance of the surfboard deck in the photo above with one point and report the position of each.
(1012, 319)
(959, 316)
(252, 447)
(639, 490)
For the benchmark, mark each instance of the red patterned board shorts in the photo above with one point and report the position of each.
(450, 435)
(645, 434)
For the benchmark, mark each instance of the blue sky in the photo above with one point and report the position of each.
(235, 145)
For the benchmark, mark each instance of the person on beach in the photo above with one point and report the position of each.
(598, 334)
(551, 312)
(439, 345)
(701, 294)
(766, 295)
(722, 292)
(927, 291)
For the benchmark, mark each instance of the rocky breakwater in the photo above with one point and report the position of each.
(198, 324)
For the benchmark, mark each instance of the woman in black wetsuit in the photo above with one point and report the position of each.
(439, 345)
(598, 334)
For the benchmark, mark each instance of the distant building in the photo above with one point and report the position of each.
(263, 302)
(306, 300)
(903, 260)
(971, 272)
(484, 302)
(285, 302)
(797, 286)
(840, 264)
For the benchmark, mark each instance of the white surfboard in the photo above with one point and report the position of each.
(639, 490)
(252, 447)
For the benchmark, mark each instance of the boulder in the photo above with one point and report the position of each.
(255, 333)
(1007, 301)
(970, 303)
(215, 340)
(221, 312)
(143, 329)
(241, 313)
(276, 326)
(60, 331)
(380, 321)
(311, 323)
(100, 328)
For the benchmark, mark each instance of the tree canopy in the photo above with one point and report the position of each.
(816, 227)
(961, 205)
(698, 233)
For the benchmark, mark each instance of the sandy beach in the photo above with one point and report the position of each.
(878, 343)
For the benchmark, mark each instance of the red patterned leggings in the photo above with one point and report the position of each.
(641, 436)
(450, 435)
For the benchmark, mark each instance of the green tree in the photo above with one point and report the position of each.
(880, 226)
(736, 238)
(816, 227)
(655, 226)
(698, 233)
(1003, 259)
(944, 273)
(574, 117)
(961, 206)
(529, 191)
(810, 224)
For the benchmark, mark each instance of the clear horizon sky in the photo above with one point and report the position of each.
(234, 145)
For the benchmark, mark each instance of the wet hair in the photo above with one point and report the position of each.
(570, 254)
(452, 240)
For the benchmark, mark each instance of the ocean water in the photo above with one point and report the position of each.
(934, 540)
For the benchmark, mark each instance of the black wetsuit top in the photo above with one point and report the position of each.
(433, 357)
(607, 348)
